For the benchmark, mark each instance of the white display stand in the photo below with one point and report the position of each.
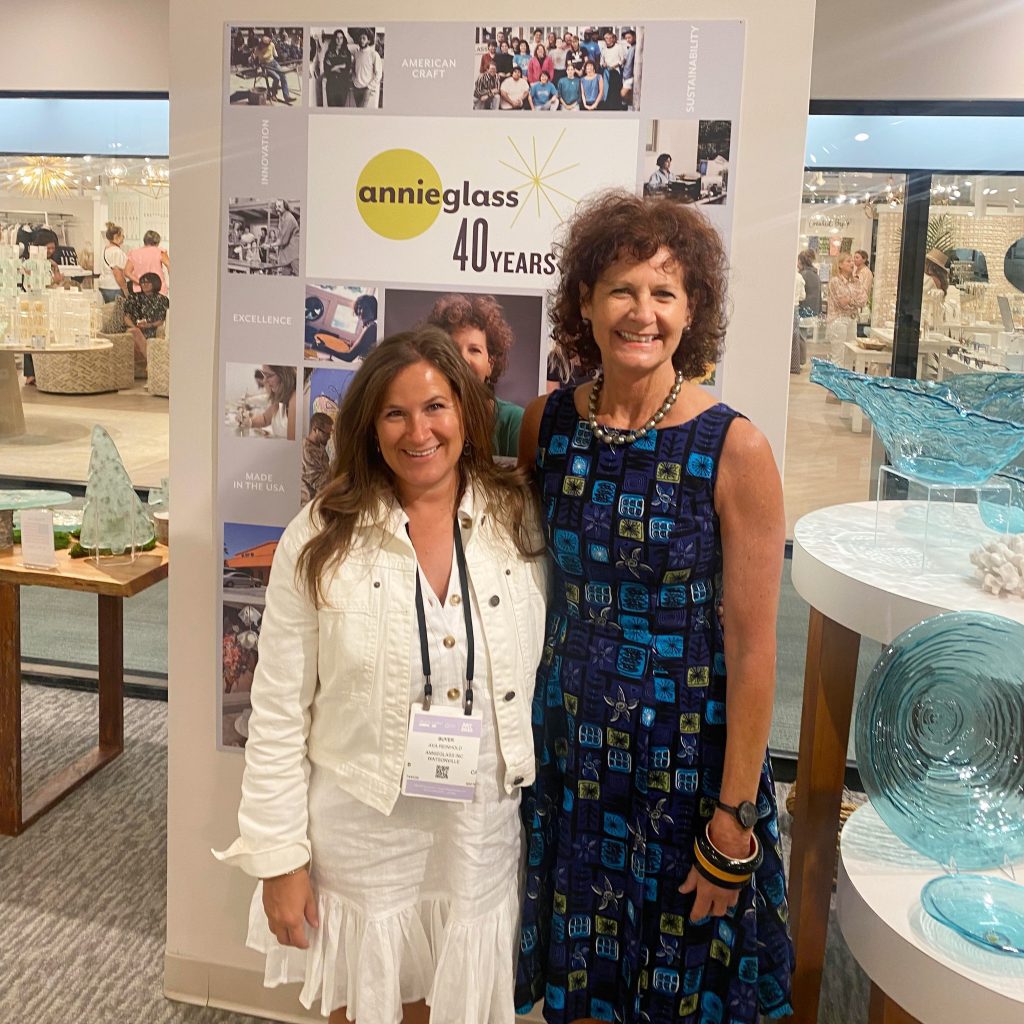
(926, 968)
(855, 588)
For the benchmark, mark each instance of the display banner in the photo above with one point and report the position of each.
(373, 175)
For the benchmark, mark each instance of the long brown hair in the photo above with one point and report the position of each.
(360, 477)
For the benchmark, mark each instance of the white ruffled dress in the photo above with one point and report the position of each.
(422, 903)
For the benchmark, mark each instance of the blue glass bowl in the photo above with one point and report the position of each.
(985, 910)
(928, 432)
(940, 738)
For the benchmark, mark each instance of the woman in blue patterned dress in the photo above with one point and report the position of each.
(655, 888)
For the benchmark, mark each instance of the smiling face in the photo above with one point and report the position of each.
(472, 343)
(419, 429)
(638, 312)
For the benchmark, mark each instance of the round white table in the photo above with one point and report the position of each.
(857, 588)
(12, 413)
(925, 968)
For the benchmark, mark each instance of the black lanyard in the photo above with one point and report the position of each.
(421, 616)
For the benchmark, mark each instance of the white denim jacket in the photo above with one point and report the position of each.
(332, 685)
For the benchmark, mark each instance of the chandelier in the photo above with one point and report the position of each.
(46, 177)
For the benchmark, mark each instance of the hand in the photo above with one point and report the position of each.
(288, 902)
(712, 900)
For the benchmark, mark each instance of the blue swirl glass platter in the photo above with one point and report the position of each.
(985, 910)
(940, 738)
(929, 429)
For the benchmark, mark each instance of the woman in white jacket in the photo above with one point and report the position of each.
(390, 731)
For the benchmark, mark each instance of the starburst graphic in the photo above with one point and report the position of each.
(537, 176)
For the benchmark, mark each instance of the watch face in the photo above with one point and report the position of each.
(747, 814)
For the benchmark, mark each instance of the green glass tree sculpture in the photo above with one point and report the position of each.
(114, 520)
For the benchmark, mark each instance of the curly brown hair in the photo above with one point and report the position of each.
(618, 225)
(484, 312)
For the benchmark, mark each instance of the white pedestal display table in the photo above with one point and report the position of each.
(926, 968)
(856, 588)
(12, 414)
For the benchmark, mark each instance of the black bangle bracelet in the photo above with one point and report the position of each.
(722, 879)
(730, 865)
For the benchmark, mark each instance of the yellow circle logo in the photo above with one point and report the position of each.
(399, 194)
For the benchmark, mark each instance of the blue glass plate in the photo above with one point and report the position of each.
(940, 738)
(987, 911)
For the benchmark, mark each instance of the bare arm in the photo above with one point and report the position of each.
(748, 499)
(529, 433)
(129, 271)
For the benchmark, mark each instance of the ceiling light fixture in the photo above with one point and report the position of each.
(45, 177)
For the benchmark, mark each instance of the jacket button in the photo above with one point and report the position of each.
(494, 601)
(510, 695)
(517, 781)
(376, 583)
(449, 641)
(453, 693)
(455, 600)
(508, 572)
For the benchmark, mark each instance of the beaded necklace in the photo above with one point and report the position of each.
(613, 435)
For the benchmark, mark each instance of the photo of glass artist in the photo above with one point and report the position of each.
(259, 401)
(687, 161)
(346, 67)
(498, 335)
(263, 237)
(591, 68)
(341, 323)
(265, 66)
(322, 392)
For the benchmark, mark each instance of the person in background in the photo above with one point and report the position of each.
(845, 297)
(628, 67)
(661, 177)
(569, 88)
(265, 55)
(613, 57)
(112, 281)
(287, 238)
(485, 92)
(864, 277)
(540, 61)
(940, 299)
(408, 591)
(148, 258)
(514, 91)
(503, 61)
(488, 57)
(477, 325)
(557, 53)
(652, 827)
(144, 312)
(592, 86)
(367, 73)
(316, 464)
(543, 95)
(591, 47)
(811, 305)
(365, 309)
(279, 415)
(576, 55)
(337, 70)
(522, 59)
(798, 348)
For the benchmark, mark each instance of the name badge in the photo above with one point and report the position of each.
(441, 753)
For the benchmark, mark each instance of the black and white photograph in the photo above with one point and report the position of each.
(263, 236)
(346, 67)
(340, 324)
(265, 65)
(687, 161)
(259, 400)
(557, 67)
(498, 335)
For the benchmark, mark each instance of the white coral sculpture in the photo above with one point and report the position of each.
(1000, 565)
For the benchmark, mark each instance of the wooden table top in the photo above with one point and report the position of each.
(113, 577)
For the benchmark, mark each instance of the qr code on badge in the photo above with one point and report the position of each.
(440, 771)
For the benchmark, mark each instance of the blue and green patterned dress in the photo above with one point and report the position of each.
(629, 723)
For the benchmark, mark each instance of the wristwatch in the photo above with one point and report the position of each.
(745, 812)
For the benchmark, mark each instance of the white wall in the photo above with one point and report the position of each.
(207, 901)
(918, 49)
(102, 45)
